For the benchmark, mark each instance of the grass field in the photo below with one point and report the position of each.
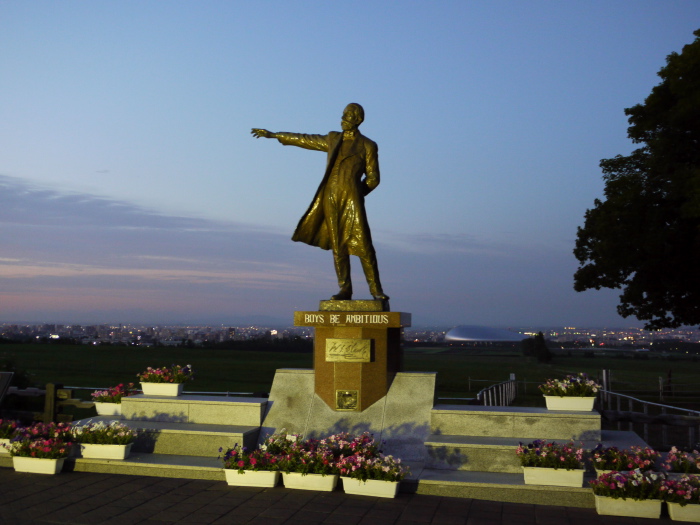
(460, 372)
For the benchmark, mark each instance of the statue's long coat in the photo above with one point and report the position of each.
(353, 230)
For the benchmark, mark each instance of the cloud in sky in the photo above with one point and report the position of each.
(80, 258)
(92, 254)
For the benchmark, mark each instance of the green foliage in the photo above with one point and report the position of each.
(536, 347)
(97, 366)
(243, 371)
(542, 353)
(21, 378)
(644, 238)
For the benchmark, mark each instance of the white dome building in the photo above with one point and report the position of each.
(472, 333)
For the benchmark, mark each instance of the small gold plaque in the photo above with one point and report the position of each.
(348, 350)
(346, 399)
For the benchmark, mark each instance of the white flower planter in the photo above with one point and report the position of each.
(3, 450)
(94, 451)
(252, 478)
(600, 472)
(295, 480)
(553, 477)
(372, 487)
(108, 409)
(162, 389)
(579, 404)
(676, 475)
(687, 513)
(648, 508)
(37, 465)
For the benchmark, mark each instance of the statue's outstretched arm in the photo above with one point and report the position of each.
(257, 133)
(301, 140)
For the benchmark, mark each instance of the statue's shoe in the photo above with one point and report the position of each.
(342, 296)
(381, 297)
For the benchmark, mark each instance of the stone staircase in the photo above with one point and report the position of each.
(181, 437)
(470, 452)
(465, 452)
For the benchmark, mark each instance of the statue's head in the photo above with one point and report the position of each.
(353, 115)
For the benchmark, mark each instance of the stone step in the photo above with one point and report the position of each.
(170, 466)
(207, 410)
(158, 465)
(518, 422)
(163, 437)
(499, 486)
(491, 486)
(497, 454)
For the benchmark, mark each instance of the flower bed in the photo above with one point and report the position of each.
(55, 431)
(174, 374)
(356, 457)
(240, 459)
(571, 386)
(612, 458)
(684, 491)
(8, 428)
(636, 485)
(684, 462)
(544, 454)
(101, 433)
(114, 394)
(45, 448)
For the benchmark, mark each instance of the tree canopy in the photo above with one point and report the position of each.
(644, 237)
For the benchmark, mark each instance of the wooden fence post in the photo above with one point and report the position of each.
(50, 402)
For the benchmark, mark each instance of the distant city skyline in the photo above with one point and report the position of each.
(131, 189)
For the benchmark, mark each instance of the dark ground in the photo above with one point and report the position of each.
(88, 498)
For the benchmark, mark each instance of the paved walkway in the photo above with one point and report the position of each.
(87, 498)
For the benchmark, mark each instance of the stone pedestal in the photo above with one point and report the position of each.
(357, 351)
(400, 421)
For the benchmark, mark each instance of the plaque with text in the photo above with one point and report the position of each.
(348, 350)
(364, 319)
(346, 399)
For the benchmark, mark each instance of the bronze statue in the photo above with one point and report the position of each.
(336, 219)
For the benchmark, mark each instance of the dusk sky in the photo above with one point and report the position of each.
(131, 189)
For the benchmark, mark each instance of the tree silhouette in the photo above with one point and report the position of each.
(644, 238)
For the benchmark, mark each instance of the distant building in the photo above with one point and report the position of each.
(471, 333)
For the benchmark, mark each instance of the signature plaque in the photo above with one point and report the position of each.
(348, 350)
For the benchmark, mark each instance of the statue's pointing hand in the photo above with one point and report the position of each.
(257, 133)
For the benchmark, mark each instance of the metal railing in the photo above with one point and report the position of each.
(661, 426)
(500, 394)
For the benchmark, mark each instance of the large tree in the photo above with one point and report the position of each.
(644, 237)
